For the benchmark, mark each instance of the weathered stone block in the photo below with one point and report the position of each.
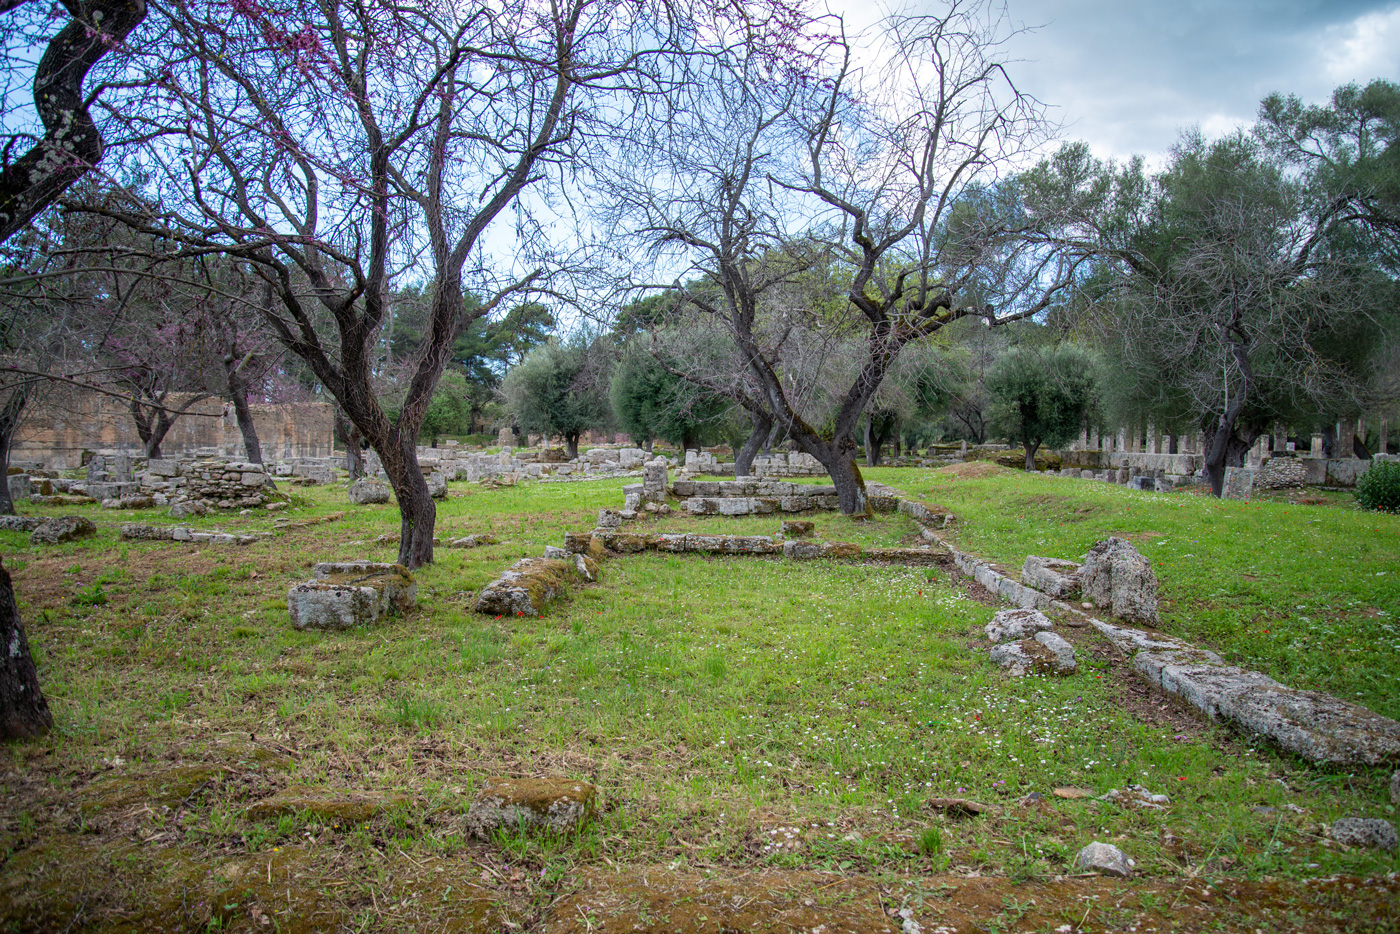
(20, 523)
(609, 519)
(1015, 625)
(21, 487)
(1239, 483)
(1365, 831)
(797, 528)
(1116, 576)
(365, 491)
(345, 594)
(800, 550)
(558, 805)
(527, 587)
(1105, 859)
(437, 485)
(61, 529)
(1047, 653)
(1052, 576)
(840, 550)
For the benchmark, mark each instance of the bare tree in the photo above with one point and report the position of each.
(329, 144)
(893, 182)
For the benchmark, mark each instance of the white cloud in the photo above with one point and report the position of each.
(1368, 47)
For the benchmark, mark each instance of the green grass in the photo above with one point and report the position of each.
(1309, 594)
(713, 698)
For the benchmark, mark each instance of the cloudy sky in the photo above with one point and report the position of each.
(1126, 75)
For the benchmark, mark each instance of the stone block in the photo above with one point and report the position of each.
(1054, 577)
(437, 485)
(1116, 576)
(345, 594)
(20, 523)
(364, 492)
(527, 587)
(163, 467)
(1368, 832)
(557, 805)
(672, 543)
(1015, 625)
(609, 519)
(797, 528)
(61, 529)
(1047, 653)
(21, 487)
(840, 550)
(1105, 859)
(1239, 483)
(801, 550)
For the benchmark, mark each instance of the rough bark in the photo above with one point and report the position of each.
(71, 145)
(1031, 447)
(878, 428)
(238, 395)
(571, 444)
(417, 511)
(24, 713)
(762, 432)
(9, 423)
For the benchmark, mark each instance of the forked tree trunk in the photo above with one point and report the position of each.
(238, 395)
(571, 444)
(24, 713)
(743, 461)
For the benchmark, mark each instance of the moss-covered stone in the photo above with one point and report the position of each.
(334, 807)
(166, 788)
(346, 594)
(527, 587)
(554, 804)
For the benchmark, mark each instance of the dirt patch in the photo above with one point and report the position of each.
(972, 470)
(654, 899)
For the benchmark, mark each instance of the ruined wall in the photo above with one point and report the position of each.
(66, 421)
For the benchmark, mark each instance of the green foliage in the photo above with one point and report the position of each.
(1379, 487)
(560, 389)
(449, 412)
(1042, 395)
(651, 402)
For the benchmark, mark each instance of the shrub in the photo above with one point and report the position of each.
(1379, 487)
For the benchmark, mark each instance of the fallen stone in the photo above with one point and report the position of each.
(20, 523)
(187, 508)
(472, 541)
(331, 806)
(956, 806)
(1364, 831)
(609, 519)
(367, 492)
(557, 805)
(1047, 653)
(840, 550)
(731, 544)
(1105, 859)
(798, 550)
(796, 528)
(1064, 662)
(61, 529)
(346, 594)
(1395, 788)
(1320, 728)
(527, 587)
(1017, 624)
(1052, 576)
(1238, 483)
(1137, 796)
(1117, 577)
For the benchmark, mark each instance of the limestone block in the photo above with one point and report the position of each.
(365, 492)
(1363, 831)
(1015, 625)
(1116, 576)
(527, 587)
(345, 594)
(163, 467)
(1239, 483)
(797, 528)
(21, 487)
(1052, 576)
(1047, 653)
(61, 529)
(1105, 859)
(20, 523)
(609, 519)
(558, 805)
(935, 555)
(840, 550)
(472, 541)
(672, 542)
(437, 485)
(799, 550)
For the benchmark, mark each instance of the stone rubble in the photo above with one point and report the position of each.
(1105, 859)
(61, 529)
(1368, 832)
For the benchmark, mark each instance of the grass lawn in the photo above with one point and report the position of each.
(781, 726)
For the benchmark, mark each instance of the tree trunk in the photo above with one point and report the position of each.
(9, 423)
(571, 444)
(878, 429)
(850, 485)
(1227, 447)
(417, 511)
(23, 711)
(238, 395)
(743, 461)
(1031, 447)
